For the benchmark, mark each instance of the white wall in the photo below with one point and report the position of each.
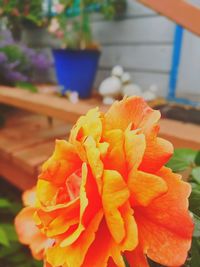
(189, 71)
(141, 43)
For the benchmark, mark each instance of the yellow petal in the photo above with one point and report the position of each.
(145, 187)
(115, 194)
(94, 159)
(134, 148)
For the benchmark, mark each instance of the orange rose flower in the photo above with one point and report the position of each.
(25, 226)
(105, 194)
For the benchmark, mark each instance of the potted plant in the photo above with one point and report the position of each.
(19, 14)
(76, 62)
(21, 65)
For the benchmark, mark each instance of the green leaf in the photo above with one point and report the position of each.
(9, 231)
(194, 201)
(4, 203)
(27, 86)
(197, 159)
(182, 159)
(195, 253)
(196, 175)
(3, 238)
(197, 226)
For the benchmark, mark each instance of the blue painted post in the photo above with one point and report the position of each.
(176, 56)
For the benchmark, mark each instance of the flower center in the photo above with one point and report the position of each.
(73, 184)
(71, 189)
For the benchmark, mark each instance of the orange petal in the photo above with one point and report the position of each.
(162, 245)
(115, 194)
(46, 192)
(165, 226)
(74, 254)
(29, 197)
(86, 203)
(171, 209)
(94, 159)
(117, 256)
(28, 233)
(145, 187)
(131, 237)
(49, 218)
(136, 258)
(100, 249)
(158, 152)
(93, 197)
(25, 225)
(61, 164)
(132, 110)
(115, 158)
(134, 148)
(111, 263)
(90, 125)
(46, 264)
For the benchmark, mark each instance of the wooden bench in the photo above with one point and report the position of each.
(28, 140)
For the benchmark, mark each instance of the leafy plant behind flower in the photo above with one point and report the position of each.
(188, 161)
(12, 253)
(19, 12)
(72, 25)
(18, 63)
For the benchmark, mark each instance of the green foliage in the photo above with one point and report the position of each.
(188, 159)
(21, 10)
(182, 159)
(27, 86)
(74, 21)
(12, 253)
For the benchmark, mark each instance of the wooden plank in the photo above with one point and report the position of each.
(25, 131)
(49, 105)
(17, 176)
(135, 31)
(185, 135)
(180, 11)
(30, 158)
(155, 58)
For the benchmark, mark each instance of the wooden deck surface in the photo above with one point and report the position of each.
(47, 104)
(26, 141)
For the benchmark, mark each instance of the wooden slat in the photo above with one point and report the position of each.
(30, 158)
(180, 134)
(16, 176)
(49, 105)
(180, 11)
(26, 142)
(25, 131)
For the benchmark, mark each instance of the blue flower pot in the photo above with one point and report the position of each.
(76, 70)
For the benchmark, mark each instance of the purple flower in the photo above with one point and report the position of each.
(13, 65)
(3, 58)
(5, 38)
(21, 63)
(41, 62)
(15, 76)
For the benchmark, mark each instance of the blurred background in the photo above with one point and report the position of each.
(60, 58)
